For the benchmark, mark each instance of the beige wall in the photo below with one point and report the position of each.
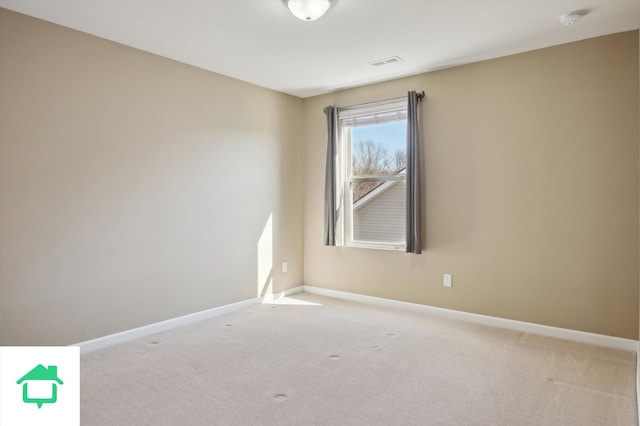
(531, 190)
(134, 189)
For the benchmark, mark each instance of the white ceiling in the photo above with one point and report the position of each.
(261, 42)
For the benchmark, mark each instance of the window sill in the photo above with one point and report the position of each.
(377, 246)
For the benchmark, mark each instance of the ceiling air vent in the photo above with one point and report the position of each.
(385, 61)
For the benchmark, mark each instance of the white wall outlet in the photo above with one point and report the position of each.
(447, 280)
(285, 266)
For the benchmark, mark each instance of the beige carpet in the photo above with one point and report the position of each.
(317, 360)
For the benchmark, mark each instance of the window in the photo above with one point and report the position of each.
(372, 175)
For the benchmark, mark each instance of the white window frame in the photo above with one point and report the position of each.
(344, 177)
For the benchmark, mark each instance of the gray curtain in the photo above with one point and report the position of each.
(414, 187)
(330, 179)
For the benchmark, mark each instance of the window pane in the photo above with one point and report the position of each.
(379, 212)
(379, 149)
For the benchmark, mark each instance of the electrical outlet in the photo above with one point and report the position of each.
(285, 266)
(447, 280)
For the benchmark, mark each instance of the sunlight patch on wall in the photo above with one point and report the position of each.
(265, 259)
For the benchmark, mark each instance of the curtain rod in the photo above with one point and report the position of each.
(421, 96)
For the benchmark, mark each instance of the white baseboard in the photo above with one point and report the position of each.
(146, 330)
(560, 333)
(638, 381)
(135, 333)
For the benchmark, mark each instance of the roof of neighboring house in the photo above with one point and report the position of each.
(376, 191)
(42, 373)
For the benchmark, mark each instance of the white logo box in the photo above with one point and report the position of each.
(39, 385)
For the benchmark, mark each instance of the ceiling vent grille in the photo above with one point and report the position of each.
(385, 61)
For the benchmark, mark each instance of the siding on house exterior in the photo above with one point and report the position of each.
(381, 218)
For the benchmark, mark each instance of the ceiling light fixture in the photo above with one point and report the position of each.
(571, 18)
(308, 10)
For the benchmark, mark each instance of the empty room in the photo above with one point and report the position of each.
(319, 212)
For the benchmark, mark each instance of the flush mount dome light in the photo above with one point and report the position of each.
(308, 10)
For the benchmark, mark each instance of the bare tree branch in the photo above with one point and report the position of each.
(371, 158)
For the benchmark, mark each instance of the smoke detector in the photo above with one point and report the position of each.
(572, 18)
